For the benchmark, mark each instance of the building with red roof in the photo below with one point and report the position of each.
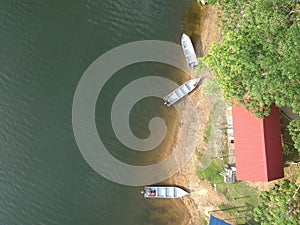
(257, 145)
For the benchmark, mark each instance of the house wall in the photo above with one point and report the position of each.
(257, 144)
(273, 145)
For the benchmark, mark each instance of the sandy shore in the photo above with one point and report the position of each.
(203, 198)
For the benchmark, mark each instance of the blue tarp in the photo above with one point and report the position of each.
(215, 221)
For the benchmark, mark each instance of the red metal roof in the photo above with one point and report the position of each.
(257, 144)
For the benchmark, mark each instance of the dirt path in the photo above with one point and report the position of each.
(209, 31)
(203, 198)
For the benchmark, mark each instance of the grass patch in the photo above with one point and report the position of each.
(215, 112)
(242, 199)
(211, 173)
(203, 221)
(199, 154)
(211, 87)
(208, 130)
(201, 67)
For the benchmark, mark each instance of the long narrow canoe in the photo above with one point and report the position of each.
(181, 91)
(189, 51)
(163, 192)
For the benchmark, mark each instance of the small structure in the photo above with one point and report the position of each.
(215, 221)
(229, 174)
(229, 130)
(257, 145)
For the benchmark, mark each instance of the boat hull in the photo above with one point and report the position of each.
(163, 192)
(181, 91)
(188, 50)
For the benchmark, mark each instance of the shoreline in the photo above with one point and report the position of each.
(203, 198)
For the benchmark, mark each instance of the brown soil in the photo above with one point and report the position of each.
(203, 198)
(210, 31)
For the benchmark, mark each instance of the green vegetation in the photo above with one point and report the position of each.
(239, 193)
(289, 151)
(211, 173)
(207, 131)
(257, 64)
(211, 87)
(217, 109)
(294, 128)
(242, 197)
(202, 67)
(204, 221)
(279, 206)
(286, 150)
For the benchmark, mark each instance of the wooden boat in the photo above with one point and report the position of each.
(189, 51)
(181, 91)
(163, 192)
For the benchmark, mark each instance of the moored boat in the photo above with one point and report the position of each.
(163, 192)
(181, 91)
(189, 51)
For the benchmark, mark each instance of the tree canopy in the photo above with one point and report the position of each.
(279, 206)
(258, 62)
(294, 128)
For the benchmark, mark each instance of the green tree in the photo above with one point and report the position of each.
(294, 128)
(279, 206)
(258, 62)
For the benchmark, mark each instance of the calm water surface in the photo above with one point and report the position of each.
(45, 48)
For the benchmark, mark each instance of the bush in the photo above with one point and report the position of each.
(211, 173)
(294, 129)
(279, 206)
(286, 150)
(257, 63)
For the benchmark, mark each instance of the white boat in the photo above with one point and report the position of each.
(189, 51)
(163, 192)
(181, 91)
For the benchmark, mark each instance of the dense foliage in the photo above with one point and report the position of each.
(258, 62)
(294, 128)
(279, 206)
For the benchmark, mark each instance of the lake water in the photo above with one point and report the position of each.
(45, 48)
